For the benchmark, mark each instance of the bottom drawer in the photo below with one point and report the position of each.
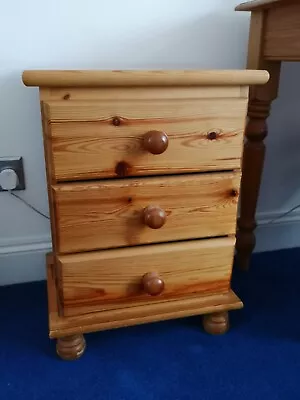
(119, 278)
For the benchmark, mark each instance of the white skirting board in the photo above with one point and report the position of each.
(23, 259)
(283, 233)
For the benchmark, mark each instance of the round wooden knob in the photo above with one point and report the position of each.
(154, 217)
(156, 142)
(153, 284)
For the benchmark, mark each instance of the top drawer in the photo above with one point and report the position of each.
(90, 139)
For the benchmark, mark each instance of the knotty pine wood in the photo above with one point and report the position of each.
(52, 205)
(112, 279)
(69, 143)
(142, 93)
(104, 214)
(50, 180)
(129, 111)
(78, 208)
(97, 78)
(96, 321)
(96, 149)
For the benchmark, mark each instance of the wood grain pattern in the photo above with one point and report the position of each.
(130, 111)
(260, 101)
(93, 147)
(256, 41)
(282, 33)
(97, 78)
(114, 278)
(192, 305)
(109, 213)
(94, 126)
(143, 93)
(256, 59)
(50, 175)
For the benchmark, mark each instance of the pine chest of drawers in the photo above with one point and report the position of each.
(143, 171)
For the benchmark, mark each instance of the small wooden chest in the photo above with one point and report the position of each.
(143, 171)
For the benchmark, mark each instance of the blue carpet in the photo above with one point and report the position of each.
(258, 359)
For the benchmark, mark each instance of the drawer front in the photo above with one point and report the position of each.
(129, 212)
(119, 278)
(93, 139)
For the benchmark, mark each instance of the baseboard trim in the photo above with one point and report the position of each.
(23, 259)
(25, 244)
(268, 219)
(275, 232)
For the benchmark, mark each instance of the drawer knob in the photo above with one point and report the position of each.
(156, 142)
(153, 284)
(154, 217)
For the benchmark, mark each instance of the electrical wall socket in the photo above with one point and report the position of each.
(15, 163)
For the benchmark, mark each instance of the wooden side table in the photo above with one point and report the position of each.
(132, 157)
(274, 37)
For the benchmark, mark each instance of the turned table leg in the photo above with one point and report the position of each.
(216, 323)
(253, 162)
(70, 347)
(261, 98)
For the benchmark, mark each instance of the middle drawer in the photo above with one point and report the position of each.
(117, 213)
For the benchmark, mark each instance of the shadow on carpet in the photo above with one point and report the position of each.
(259, 358)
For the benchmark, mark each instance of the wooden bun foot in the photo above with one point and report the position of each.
(70, 347)
(216, 323)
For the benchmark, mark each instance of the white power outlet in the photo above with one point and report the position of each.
(11, 174)
(8, 179)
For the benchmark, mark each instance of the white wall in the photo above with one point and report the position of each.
(157, 34)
